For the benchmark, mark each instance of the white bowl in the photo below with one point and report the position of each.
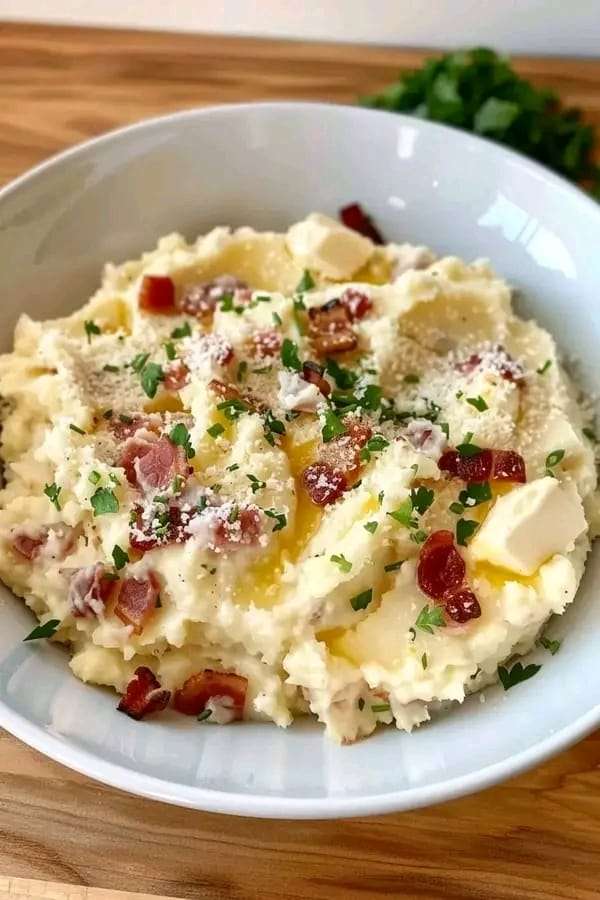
(268, 165)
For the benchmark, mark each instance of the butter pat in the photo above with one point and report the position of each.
(529, 525)
(321, 243)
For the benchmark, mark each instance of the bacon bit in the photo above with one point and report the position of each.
(324, 483)
(313, 373)
(343, 452)
(157, 294)
(176, 376)
(441, 568)
(266, 344)
(126, 429)
(496, 359)
(90, 590)
(330, 328)
(357, 303)
(499, 465)
(509, 466)
(28, 545)
(242, 532)
(224, 391)
(199, 689)
(136, 601)
(153, 464)
(143, 536)
(462, 606)
(201, 299)
(143, 695)
(353, 216)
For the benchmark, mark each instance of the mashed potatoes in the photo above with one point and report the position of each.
(266, 475)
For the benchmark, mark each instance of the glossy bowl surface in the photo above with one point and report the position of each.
(267, 165)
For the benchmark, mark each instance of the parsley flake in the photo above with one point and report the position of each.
(517, 674)
(90, 329)
(478, 402)
(139, 361)
(345, 379)
(94, 477)
(170, 350)
(182, 331)
(430, 618)
(333, 427)
(104, 501)
(380, 707)
(411, 378)
(456, 508)
(255, 483)
(120, 557)
(545, 367)
(204, 715)
(371, 527)
(289, 355)
(421, 499)
(475, 493)
(46, 630)
(424, 661)
(52, 491)
(242, 370)
(215, 430)
(180, 436)
(306, 283)
(464, 529)
(109, 368)
(362, 600)
(277, 319)
(553, 646)
(340, 560)
(552, 460)
(151, 375)
(76, 429)
(280, 519)
(393, 567)
(404, 514)
(272, 427)
(590, 434)
(467, 448)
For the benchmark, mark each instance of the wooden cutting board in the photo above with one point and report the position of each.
(533, 838)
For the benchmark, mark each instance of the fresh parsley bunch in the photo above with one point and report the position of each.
(479, 91)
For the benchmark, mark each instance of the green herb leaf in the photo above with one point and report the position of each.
(289, 355)
(204, 715)
(495, 116)
(215, 430)
(393, 567)
(380, 707)
(457, 508)
(404, 514)
(421, 499)
(333, 427)
(554, 458)
(478, 402)
(306, 283)
(233, 408)
(511, 677)
(467, 448)
(90, 329)
(139, 361)
(424, 661)
(281, 519)
(104, 501)
(475, 493)
(418, 537)
(345, 379)
(545, 367)
(362, 600)
(553, 646)
(371, 527)
(182, 331)
(43, 631)
(590, 434)
(277, 319)
(255, 483)
(120, 557)
(411, 378)
(76, 429)
(180, 436)
(152, 375)
(272, 427)
(170, 350)
(430, 618)
(242, 370)
(340, 560)
(52, 491)
(109, 368)
(464, 529)
(94, 477)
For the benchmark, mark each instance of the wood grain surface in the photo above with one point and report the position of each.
(536, 837)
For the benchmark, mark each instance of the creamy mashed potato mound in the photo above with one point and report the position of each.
(267, 475)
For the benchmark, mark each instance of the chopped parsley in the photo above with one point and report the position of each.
(418, 537)
(271, 427)
(120, 557)
(242, 370)
(127, 420)
(445, 428)
(333, 427)
(170, 350)
(277, 319)
(289, 355)
(361, 703)
(76, 429)
(255, 483)
(552, 460)
(151, 375)
(518, 673)
(94, 477)
(180, 436)
(215, 430)
(380, 707)
(204, 715)
(90, 329)
(590, 434)
(232, 468)
(232, 409)
(306, 283)
(421, 499)
(475, 493)
(404, 514)
(374, 445)
(362, 600)
(424, 661)
(104, 501)
(393, 567)
(43, 631)
(545, 367)
(430, 618)
(371, 527)
(467, 448)
(340, 560)
(371, 397)
(345, 379)
(52, 491)
(109, 368)
(478, 402)
(464, 529)
(182, 331)
(456, 508)
(411, 378)
(553, 646)
(280, 518)
(107, 414)
(139, 361)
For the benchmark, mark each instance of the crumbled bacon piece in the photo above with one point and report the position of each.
(146, 535)
(266, 344)
(441, 568)
(157, 294)
(330, 328)
(152, 465)
(509, 466)
(357, 303)
(353, 216)
(136, 601)
(89, 590)
(49, 541)
(493, 358)
(462, 606)
(176, 376)
(239, 530)
(124, 427)
(224, 391)
(499, 465)
(201, 299)
(343, 452)
(143, 695)
(224, 689)
(28, 545)
(324, 483)
(313, 373)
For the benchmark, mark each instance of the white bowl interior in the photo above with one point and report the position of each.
(267, 165)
